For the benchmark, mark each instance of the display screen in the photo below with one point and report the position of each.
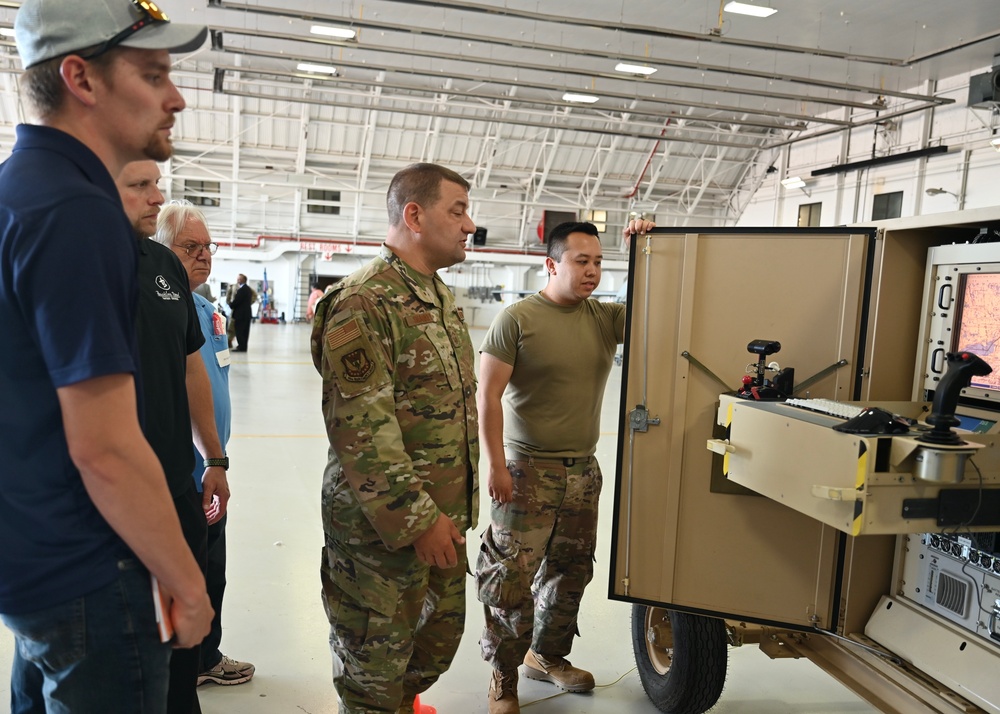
(979, 324)
(974, 424)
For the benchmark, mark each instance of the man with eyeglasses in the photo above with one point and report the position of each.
(182, 228)
(178, 395)
(84, 507)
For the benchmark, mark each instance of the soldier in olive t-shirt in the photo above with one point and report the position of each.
(549, 357)
(562, 356)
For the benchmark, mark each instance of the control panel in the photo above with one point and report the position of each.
(956, 576)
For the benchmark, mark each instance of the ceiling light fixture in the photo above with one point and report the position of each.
(317, 68)
(343, 33)
(7, 31)
(995, 142)
(634, 69)
(580, 98)
(793, 182)
(742, 8)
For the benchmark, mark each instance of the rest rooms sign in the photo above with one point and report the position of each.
(308, 246)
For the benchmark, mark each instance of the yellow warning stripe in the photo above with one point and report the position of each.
(725, 457)
(859, 484)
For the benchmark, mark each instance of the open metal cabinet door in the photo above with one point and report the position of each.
(686, 539)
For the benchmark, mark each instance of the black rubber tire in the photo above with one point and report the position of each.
(687, 678)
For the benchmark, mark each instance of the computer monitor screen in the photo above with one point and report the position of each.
(979, 324)
(962, 312)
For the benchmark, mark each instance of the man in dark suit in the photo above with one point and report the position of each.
(241, 313)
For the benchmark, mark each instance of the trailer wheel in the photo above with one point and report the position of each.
(681, 658)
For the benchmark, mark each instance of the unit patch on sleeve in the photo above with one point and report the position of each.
(357, 366)
(353, 358)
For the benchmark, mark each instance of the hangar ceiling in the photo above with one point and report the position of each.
(479, 86)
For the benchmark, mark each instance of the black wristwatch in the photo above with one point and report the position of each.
(223, 462)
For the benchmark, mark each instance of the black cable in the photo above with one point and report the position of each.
(965, 525)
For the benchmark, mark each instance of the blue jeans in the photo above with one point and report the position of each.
(97, 653)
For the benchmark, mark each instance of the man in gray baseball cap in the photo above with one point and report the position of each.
(85, 514)
(45, 29)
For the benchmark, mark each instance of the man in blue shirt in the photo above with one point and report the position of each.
(84, 507)
(182, 228)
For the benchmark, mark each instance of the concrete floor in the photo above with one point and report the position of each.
(273, 616)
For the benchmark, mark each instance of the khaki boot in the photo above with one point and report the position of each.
(558, 671)
(503, 692)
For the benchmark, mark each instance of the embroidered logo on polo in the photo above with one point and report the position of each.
(165, 293)
(357, 366)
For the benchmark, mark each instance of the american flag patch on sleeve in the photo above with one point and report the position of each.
(343, 334)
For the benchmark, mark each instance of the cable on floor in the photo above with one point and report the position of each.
(597, 686)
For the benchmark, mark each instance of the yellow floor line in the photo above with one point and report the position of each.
(277, 436)
(261, 361)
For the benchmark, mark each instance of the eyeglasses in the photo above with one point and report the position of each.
(152, 14)
(193, 250)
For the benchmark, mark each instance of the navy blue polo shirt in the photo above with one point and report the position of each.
(67, 310)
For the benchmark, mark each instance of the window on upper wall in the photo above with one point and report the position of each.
(887, 205)
(202, 193)
(809, 214)
(319, 200)
(598, 218)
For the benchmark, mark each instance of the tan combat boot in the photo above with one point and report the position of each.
(558, 671)
(503, 692)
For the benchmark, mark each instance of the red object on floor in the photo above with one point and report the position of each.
(419, 708)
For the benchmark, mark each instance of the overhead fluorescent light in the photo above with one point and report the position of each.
(634, 68)
(344, 33)
(742, 8)
(7, 31)
(317, 68)
(580, 98)
(995, 142)
(793, 182)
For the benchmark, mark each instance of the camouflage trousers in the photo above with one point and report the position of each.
(536, 558)
(395, 624)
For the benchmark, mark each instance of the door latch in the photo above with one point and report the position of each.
(639, 419)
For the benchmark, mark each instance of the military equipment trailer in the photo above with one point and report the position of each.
(741, 516)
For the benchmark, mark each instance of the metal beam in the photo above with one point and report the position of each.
(645, 31)
(526, 82)
(364, 163)
(453, 33)
(588, 74)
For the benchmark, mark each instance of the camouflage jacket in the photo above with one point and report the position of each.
(399, 401)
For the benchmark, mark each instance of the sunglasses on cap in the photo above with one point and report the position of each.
(152, 14)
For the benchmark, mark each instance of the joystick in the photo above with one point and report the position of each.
(962, 367)
(755, 383)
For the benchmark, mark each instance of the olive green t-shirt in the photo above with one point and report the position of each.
(561, 357)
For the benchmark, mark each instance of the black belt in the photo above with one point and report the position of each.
(565, 461)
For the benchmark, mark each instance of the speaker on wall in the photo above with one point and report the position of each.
(984, 89)
(551, 219)
(479, 237)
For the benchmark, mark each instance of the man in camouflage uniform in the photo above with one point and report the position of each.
(549, 356)
(400, 488)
